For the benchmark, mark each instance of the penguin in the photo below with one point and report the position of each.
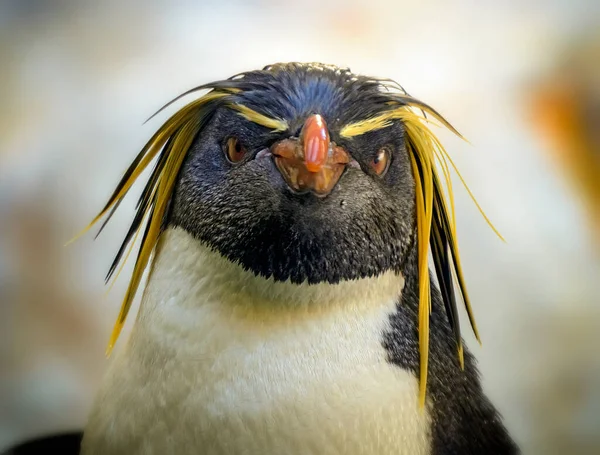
(289, 305)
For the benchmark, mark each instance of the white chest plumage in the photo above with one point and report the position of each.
(222, 362)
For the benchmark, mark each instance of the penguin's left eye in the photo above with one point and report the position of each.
(381, 161)
(234, 150)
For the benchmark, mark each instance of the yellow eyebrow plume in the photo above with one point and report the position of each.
(436, 225)
(169, 146)
(274, 124)
(371, 124)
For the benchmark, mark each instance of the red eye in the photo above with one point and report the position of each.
(380, 163)
(234, 150)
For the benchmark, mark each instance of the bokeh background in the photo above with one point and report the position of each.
(520, 79)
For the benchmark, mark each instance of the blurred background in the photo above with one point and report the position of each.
(520, 79)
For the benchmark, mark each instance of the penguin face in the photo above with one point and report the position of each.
(251, 194)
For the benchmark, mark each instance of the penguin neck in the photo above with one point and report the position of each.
(187, 273)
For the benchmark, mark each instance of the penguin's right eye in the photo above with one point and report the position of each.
(381, 161)
(234, 150)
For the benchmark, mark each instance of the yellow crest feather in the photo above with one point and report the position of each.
(435, 224)
(274, 124)
(171, 142)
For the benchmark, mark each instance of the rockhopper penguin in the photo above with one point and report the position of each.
(289, 307)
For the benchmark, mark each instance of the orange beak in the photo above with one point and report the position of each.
(311, 162)
(315, 138)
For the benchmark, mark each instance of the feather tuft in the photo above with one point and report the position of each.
(436, 225)
(275, 124)
(168, 147)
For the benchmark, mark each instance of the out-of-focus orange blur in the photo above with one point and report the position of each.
(518, 78)
(566, 113)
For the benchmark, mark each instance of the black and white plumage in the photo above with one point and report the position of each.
(288, 314)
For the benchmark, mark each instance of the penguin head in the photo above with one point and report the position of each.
(302, 202)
